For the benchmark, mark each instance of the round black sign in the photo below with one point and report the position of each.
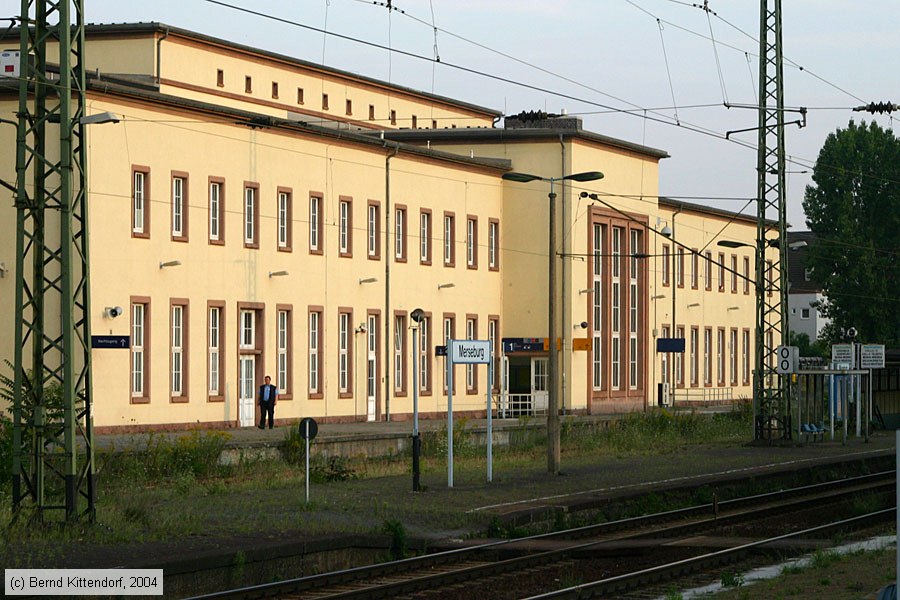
(308, 428)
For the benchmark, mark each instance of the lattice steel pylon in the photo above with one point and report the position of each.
(771, 408)
(53, 464)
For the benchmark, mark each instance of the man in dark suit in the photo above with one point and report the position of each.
(267, 397)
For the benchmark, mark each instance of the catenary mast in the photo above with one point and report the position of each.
(52, 455)
(771, 407)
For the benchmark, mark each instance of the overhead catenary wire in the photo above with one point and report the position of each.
(715, 49)
(662, 40)
(619, 110)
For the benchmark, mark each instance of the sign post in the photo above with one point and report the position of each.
(308, 430)
(466, 352)
(871, 356)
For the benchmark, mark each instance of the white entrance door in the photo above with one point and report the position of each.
(371, 366)
(503, 406)
(247, 387)
(539, 395)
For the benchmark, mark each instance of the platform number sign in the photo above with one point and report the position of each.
(788, 359)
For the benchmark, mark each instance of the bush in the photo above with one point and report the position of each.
(6, 450)
(293, 447)
(194, 455)
(334, 468)
(435, 444)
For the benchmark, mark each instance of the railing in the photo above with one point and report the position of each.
(521, 405)
(703, 395)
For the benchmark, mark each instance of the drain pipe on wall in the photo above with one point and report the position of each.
(395, 149)
(159, 54)
(565, 307)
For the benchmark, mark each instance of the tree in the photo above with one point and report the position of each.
(853, 207)
(807, 348)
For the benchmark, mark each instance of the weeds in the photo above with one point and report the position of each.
(395, 529)
(673, 594)
(731, 579)
(332, 468)
(6, 451)
(195, 455)
(434, 445)
(823, 559)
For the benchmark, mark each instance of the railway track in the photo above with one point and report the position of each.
(605, 559)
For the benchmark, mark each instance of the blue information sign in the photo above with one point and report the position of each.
(670, 344)
(111, 341)
(523, 345)
(440, 350)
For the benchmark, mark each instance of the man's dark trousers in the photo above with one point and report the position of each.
(266, 408)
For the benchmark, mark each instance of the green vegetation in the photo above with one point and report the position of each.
(825, 575)
(854, 211)
(730, 579)
(659, 431)
(167, 487)
(399, 546)
(6, 451)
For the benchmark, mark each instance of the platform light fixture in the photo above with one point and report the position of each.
(100, 118)
(553, 432)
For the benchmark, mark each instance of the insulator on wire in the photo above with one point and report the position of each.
(878, 107)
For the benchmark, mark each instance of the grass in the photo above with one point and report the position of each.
(175, 488)
(827, 575)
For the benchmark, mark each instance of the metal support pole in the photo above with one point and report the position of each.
(869, 406)
(306, 436)
(553, 453)
(490, 433)
(449, 363)
(416, 443)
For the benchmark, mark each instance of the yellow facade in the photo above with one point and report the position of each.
(239, 247)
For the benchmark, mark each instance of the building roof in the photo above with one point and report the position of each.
(484, 135)
(801, 279)
(153, 28)
(710, 210)
(128, 89)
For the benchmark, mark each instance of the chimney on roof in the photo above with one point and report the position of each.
(537, 119)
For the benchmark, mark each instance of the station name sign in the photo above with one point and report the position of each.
(470, 351)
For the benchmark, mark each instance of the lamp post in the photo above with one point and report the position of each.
(417, 315)
(553, 360)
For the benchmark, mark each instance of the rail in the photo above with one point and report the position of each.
(473, 564)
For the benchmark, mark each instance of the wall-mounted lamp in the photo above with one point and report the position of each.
(277, 273)
(585, 291)
(732, 308)
(3, 269)
(693, 304)
(100, 118)
(170, 263)
(360, 329)
(582, 325)
(446, 285)
(111, 312)
(368, 280)
(657, 297)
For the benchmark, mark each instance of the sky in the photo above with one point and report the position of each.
(652, 72)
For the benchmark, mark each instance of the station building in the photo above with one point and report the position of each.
(254, 214)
